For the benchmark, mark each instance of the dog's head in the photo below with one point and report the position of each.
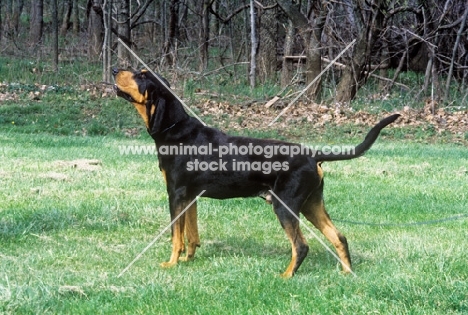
(142, 89)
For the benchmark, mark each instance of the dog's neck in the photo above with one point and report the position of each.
(167, 121)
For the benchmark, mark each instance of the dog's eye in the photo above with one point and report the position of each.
(143, 73)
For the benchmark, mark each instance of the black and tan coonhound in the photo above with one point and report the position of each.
(195, 158)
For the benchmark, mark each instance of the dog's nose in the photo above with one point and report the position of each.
(115, 71)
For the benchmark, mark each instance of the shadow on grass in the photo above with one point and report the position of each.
(243, 249)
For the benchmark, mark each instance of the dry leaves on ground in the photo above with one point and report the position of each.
(257, 116)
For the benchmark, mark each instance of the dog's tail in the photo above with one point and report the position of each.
(362, 147)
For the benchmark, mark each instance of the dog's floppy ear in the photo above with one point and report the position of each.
(145, 74)
(157, 86)
(158, 117)
(165, 81)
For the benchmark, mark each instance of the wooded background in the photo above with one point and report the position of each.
(281, 41)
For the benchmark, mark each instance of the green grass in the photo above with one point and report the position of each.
(66, 233)
(30, 71)
(65, 111)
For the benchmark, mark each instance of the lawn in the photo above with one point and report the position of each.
(74, 213)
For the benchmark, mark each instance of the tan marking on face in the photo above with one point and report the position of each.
(127, 84)
(164, 176)
(141, 109)
(320, 170)
(153, 106)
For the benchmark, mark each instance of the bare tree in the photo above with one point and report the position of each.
(426, 36)
(74, 17)
(67, 10)
(204, 34)
(267, 41)
(169, 45)
(454, 52)
(106, 44)
(13, 10)
(55, 35)
(253, 45)
(1, 22)
(310, 30)
(95, 28)
(433, 38)
(36, 23)
(368, 18)
(123, 32)
(286, 67)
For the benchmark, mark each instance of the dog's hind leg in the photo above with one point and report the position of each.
(314, 211)
(298, 243)
(191, 232)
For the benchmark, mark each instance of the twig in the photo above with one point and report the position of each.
(226, 66)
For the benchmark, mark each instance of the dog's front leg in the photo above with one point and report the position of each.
(176, 206)
(191, 232)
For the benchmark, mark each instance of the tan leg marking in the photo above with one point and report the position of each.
(315, 212)
(177, 240)
(294, 235)
(191, 232)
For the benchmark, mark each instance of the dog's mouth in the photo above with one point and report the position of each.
(126, 77)
(122, 94)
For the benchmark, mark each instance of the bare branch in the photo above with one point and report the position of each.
(230, 16)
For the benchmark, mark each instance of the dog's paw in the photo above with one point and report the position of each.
(186, 258)
(168, 264)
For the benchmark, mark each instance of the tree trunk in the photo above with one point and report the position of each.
(314, 47)
(67, 10)
(106, 45)
(169, 52)
(123, 30)
(75, 18)
(432, 26)
(286, 69)
(369, 29)
(8, 13)
(268, 29)
(55, 48)
(311, 32)
(253, 45)
(1, 22)
(384, 59)
(36, 23)
(95, 29)
(454, 52)
(352, 75)
(163, 26)
(204, 35)
(17, 10)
